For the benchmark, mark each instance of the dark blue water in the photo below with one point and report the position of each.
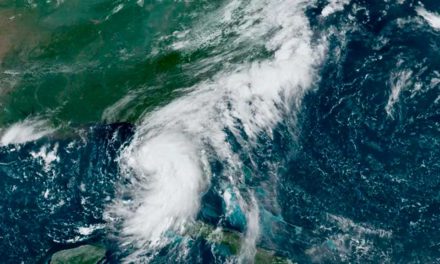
(44, 204)
(353, 177)
(357, 161)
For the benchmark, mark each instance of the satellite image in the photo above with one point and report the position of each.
(219, 131)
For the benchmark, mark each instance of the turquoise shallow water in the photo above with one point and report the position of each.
(281, 131)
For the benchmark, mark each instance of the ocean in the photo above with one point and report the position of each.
(228, 131)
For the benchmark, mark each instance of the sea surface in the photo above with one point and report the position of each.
(222, 131)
